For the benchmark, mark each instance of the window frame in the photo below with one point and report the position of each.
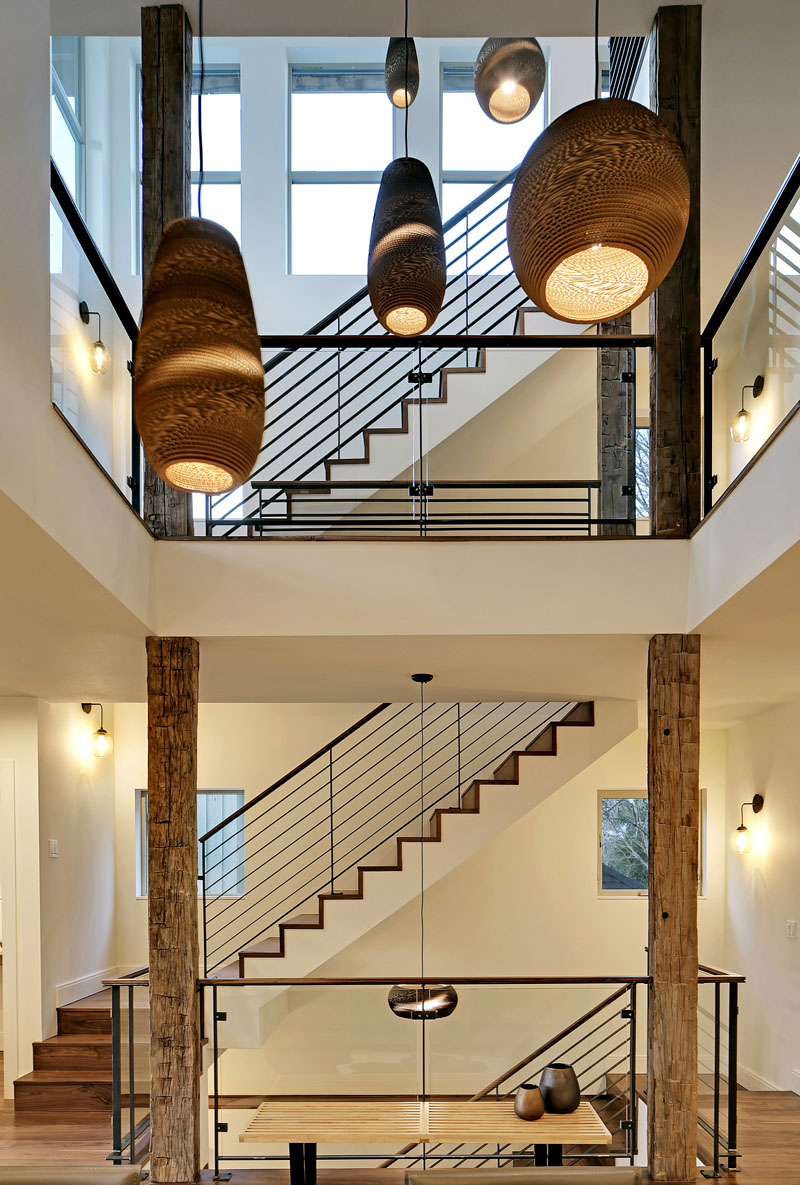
(220, 176)
(75, 120)
(632, 894)
(140, 825)
(328, 176)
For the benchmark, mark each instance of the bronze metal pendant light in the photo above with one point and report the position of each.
(406, 270)
(510, 74)
(198, 380)
(401, 71)
(598, 210)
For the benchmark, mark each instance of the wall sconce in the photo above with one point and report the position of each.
(102, 742)
(742, 422)
(742, 838)
(99, 358)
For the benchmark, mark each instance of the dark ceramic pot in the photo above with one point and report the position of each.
(560, 1088)
(528, 1101)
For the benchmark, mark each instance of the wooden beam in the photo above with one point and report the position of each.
(166, 192)
(615, 426)
(172, 678)
(675, 389)
(673, 704)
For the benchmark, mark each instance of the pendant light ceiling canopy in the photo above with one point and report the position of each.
(510, 74)
(401, 85)
(198, 381)
(406, 274)
(598, 211)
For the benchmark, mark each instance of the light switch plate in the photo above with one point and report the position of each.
(54, 849)
(791, 929)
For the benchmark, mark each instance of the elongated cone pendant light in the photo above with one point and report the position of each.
(401, 89)
(406, 274)
(198, 381)
(598, 211)
(510, 74)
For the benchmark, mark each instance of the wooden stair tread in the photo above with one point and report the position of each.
(302, 921)
(267, 946)
(79, 1039)
(64, 1077)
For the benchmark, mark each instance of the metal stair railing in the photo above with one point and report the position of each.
(310, 834)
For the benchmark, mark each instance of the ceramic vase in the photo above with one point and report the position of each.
(560, 1089)
(528, 1101)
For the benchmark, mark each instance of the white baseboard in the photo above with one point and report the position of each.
(78, 989)
(752, 1081)
(794, 1079)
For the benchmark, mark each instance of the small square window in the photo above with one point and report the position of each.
(623, 843)
(224, 852)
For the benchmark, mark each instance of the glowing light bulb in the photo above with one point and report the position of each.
(741, 426)
(102, 743)
(508, 86)
(741, 840)
(99, 358)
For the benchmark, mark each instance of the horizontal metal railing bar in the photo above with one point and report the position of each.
(465, 980)
(297, 769)
(571, 484)
(779, 208)
(461, 341)
(371, 524)
(92, 252)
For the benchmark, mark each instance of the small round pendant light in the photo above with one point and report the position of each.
(198, 381)
(406, 274)
(510, 74)
(414, 1002)
(401, 87)
(598, 211)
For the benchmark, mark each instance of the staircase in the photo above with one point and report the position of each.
(333, 848)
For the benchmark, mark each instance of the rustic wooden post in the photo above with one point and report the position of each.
(172, 674)
(673, 703)
(675, 486)
(166, 192)
(616, 415)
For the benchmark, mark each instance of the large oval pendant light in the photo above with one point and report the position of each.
(598, 211)
(406, 273)
(401, 85)
(510, 74)
(198, 381)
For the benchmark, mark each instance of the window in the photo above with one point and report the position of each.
(66, 112)
(622, 840)
(341, 140)
(476, 151)
(225, 853)
(222, 147)
(642, 471)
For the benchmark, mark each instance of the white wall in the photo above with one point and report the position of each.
(763, 757)
(76, 809)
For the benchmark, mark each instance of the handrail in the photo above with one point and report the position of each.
(297, 769)
(92, 252)
(458, 341)
(772, 221)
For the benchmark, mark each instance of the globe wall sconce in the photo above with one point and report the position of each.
(742, 422)
(742, 837)
(99, 358)
(102, 742)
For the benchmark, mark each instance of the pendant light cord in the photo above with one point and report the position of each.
(200, 110)
(405, 78)
(596, 48)
(422, 867)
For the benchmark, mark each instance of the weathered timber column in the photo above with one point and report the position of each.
(172, 673)
(616, 415)
(673, 722)
(675, 487)
(166, 192)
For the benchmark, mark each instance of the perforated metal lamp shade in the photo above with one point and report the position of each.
(414, 1002)
(401, 90)
(198, 381)
(510, 74)
(406, 273)
(598, 211)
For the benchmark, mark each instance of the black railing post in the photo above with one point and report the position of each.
(458, 752)
(205, 920)
(339, 392)
(716, 1076)
(131, 1082)
(330, 805)
(116, 1077)
(215, 1046)
(708, 422)
(733, 1055)
(633, 1133)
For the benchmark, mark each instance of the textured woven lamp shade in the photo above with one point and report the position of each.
(510, 74)
(406, 270)
(598, 211)
(198, 382)
(400, 90)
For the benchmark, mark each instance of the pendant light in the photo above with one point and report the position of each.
(198, 380)
(406, 269)
(401, 71)
(510, 74)
(423, 1001)
(741, 838)
(742, 422)
(598, 210)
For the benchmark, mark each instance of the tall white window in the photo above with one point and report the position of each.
(341, 140)
(67, 114)
(224, 852)
(222, 147)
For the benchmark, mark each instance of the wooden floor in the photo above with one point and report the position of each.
(769, 1129)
